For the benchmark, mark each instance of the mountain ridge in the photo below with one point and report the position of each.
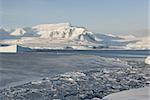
(64, 35)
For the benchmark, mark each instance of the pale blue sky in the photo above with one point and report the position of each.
(120, 16)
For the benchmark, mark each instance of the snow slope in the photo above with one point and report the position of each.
(21, 32)
(18, 32)
(142, 43)
(64, 35)
(56, 31)
(64, 31)
(54, 36)
(133, 94)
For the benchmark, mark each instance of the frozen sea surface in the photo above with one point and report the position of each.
(58, 75)
(81, 85)
(22, 67)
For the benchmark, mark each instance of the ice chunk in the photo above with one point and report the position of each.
(147, 60)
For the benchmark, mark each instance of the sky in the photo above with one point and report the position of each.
(109, 16)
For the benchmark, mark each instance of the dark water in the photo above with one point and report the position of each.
(105, 53)
(26, 66)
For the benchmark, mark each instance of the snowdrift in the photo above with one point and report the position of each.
(133, 94)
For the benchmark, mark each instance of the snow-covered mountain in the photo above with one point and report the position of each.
(27, 31)
(56, 31)
(18, 32)
(64, 35)
(64, 31)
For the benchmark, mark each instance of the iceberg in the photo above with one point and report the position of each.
(147, 60)
(4, 48)
(8, 48)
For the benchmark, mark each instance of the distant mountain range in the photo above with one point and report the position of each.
(66, 36)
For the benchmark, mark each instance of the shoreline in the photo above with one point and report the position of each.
(132, 94)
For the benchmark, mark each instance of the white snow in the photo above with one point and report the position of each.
(147, 60)
(51, 27)
(63, 31)
(36, 82)
(54, 36)
(133, 94)
(95, 98)
(73, 74)
(64, 35)
(52, 30)
(142, 43)
(13, 49)
(10, 49)
(128, 37)
(18, 32)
